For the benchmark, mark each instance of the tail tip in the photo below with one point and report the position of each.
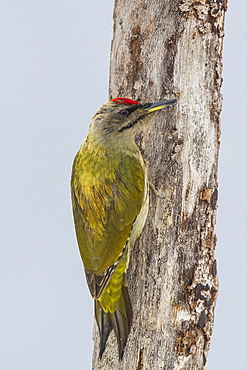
(101, 351)
(120, 352)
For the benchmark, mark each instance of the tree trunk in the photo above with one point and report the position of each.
(172, 49)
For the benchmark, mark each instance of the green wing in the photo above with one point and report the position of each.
(107, 195)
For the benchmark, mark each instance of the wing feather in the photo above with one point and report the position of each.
(106, 200)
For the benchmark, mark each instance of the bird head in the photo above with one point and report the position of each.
(121, 118)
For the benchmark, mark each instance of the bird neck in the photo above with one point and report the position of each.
(110, 144)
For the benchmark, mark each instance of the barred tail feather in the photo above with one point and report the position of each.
(120, 321)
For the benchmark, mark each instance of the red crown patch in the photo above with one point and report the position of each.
(124, 101)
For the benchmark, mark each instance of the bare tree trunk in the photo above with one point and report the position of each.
(166, 49)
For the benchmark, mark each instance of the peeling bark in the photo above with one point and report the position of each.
(172, 49)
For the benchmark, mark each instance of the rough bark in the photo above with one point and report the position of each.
(172, 49)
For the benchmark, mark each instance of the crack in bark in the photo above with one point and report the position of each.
(140, 365)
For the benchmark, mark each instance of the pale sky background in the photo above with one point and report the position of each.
(53, 77)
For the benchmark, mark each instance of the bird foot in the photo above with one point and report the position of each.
(161, 196)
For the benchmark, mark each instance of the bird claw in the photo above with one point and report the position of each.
(156, 191)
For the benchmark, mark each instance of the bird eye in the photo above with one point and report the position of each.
(124, 112)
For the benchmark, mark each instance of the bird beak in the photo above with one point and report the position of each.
(152, 107)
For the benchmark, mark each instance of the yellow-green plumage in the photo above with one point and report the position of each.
(110, 203)
(108, 190)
